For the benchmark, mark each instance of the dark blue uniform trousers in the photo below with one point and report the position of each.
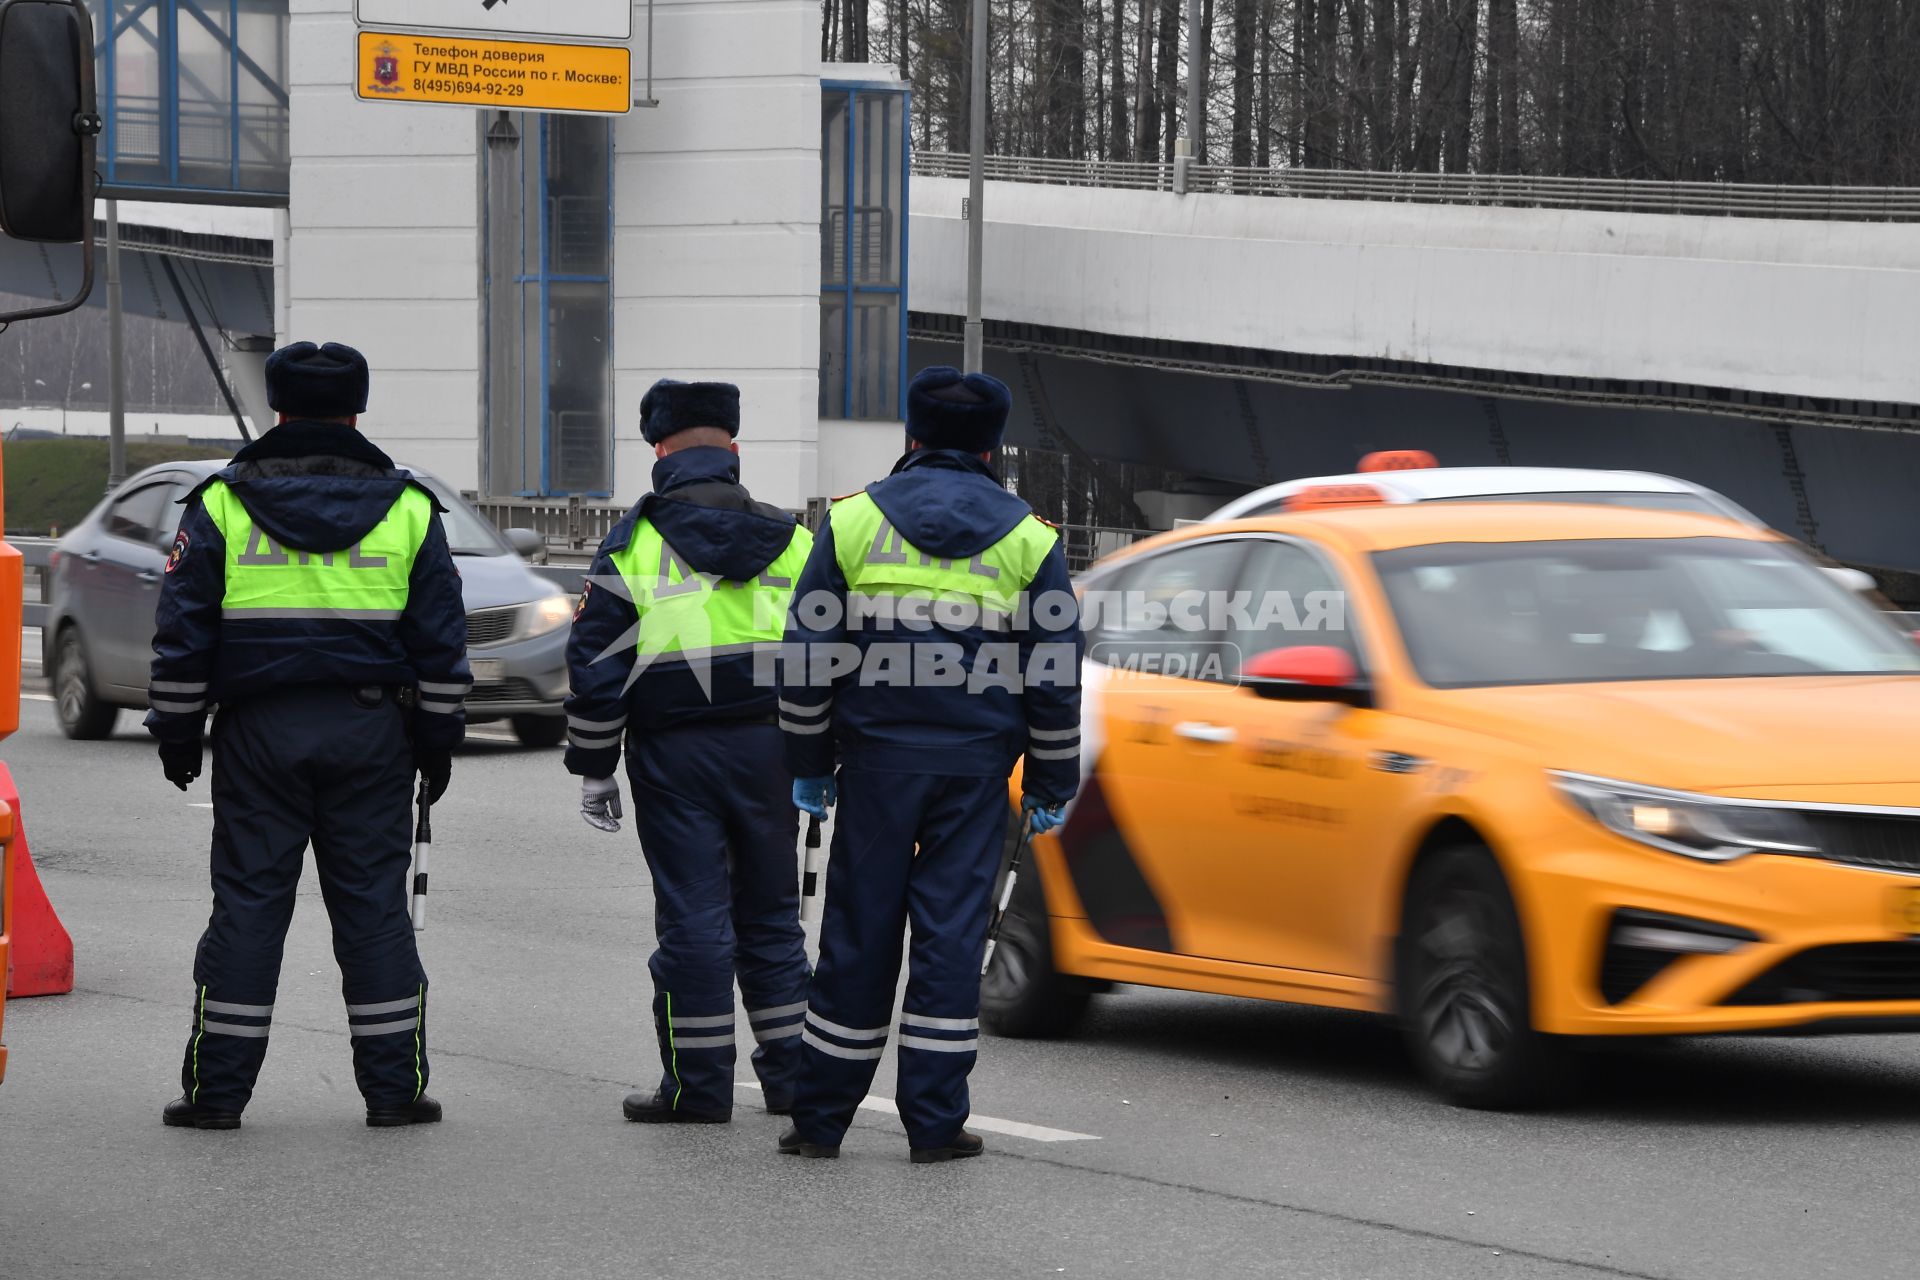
(713, 802)
(876, 884)
(309, 763)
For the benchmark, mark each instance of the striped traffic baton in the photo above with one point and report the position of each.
(422, 845)
(1006, 890)
(811, 877)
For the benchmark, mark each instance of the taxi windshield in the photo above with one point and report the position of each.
(1564, 612)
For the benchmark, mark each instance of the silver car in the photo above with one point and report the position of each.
(98, 638)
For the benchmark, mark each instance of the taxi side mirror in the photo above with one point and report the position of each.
(1307, 673)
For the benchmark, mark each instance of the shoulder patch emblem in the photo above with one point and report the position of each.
(585, 591)
(179, 551)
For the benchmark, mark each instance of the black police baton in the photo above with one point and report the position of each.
(1006, 891)
(422, 845)
(810, 877)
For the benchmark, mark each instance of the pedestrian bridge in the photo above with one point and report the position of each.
(1266, 324)
(1790, 293)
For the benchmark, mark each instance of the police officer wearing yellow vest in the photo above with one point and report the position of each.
(934, 641)
(311, 597)
(683, 608)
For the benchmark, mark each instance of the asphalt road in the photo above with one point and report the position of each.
(1228, 1138)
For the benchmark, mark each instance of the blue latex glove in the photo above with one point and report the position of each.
(814, 796)
(1044, 817)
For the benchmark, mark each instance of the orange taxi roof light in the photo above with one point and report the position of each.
(1321, 496)
(1399, 460)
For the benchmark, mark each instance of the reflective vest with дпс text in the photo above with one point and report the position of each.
(366, 582)
(878, 563)
(687, 615)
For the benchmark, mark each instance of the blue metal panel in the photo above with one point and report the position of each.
(170, 90)
(546, 321)
(906, 224)
(233, 94)
(846, 192)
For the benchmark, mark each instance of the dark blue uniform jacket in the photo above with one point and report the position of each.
(947, 504)
(316, 487)
(715, 526)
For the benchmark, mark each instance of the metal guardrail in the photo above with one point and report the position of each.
(1086, 543)
(38, 555)
(1628, 195)
(575, 523)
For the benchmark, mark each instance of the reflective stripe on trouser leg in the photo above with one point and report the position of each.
(949, 899)
(850, 1002)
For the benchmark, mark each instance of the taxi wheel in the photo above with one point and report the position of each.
(1022, 996)
(539, 731)
(81, 713)
(1463, 990)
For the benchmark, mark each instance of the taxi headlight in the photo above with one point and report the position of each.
(1694, 826)
(546, 615)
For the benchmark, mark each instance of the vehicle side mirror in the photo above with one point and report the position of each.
(528, 545)
(48, 120)
(1307, 673)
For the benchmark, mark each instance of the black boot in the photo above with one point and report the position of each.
(422, 1110)
(963, 1147)
(181, 1114)
(651, 1108)
(790, 1145)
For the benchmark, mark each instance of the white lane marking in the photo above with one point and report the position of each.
(36, 697)
(199, 804)
(1012, 1128)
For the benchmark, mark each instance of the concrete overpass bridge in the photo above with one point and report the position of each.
(1265, 324)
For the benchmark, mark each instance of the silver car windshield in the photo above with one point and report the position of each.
(468, 533)
(1563, 612)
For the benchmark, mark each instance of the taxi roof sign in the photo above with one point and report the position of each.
(1322, 496)
(1398, 460)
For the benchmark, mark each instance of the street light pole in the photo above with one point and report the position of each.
(116, 358)
(1196, 65)
(975, 352)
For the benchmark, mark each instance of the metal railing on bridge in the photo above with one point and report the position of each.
(1724, 199)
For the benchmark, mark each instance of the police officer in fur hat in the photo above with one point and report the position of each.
(935, 640)
(312, 597)
(685, 603)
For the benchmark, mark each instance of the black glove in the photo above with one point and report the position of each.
(436, 766)
(181, 760)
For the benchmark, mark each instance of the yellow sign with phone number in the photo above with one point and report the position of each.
(494, 74)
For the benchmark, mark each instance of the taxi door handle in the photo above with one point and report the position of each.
(1201, 731)
(149, 577)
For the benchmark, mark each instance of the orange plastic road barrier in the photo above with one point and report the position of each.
(41, 957)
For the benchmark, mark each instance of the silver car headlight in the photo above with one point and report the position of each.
(545, 615)
(1707, 828)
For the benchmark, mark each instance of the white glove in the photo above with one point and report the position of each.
(600, 803)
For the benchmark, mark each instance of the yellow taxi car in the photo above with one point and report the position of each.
(1513, 773)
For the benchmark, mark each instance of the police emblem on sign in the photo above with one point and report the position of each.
(386, 70)
(179, 551)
